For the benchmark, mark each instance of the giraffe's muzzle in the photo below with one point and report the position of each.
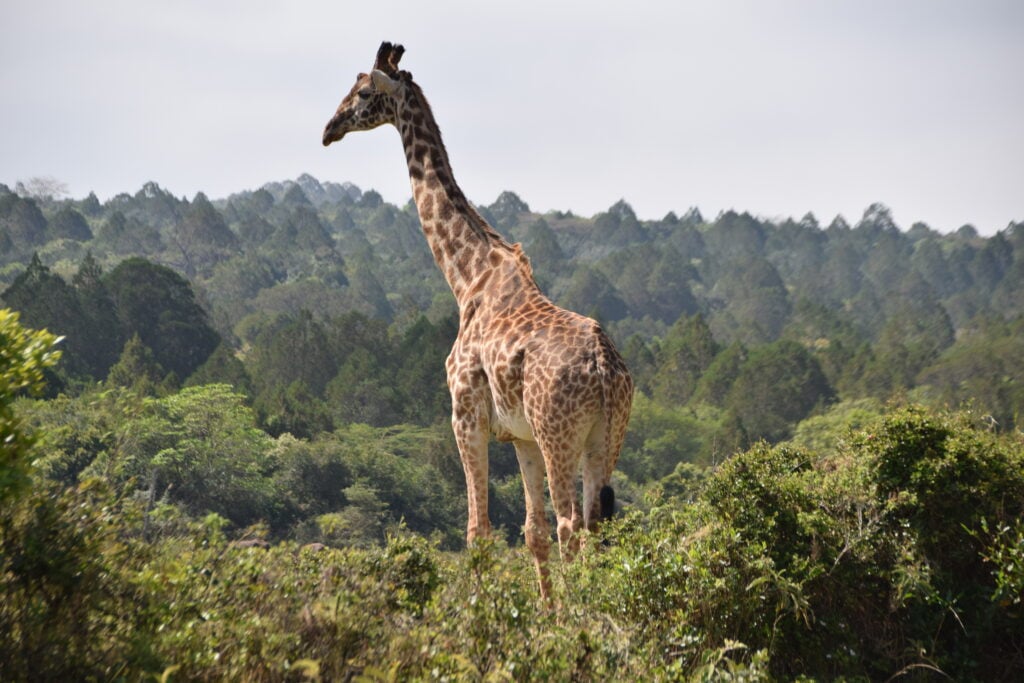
(334, 130)
(330, 136)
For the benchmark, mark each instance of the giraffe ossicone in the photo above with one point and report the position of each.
(521, 369)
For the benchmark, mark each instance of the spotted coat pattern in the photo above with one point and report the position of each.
(522, 369)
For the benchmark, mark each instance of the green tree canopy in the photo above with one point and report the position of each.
(777, 386)
(24, 356)
(159, 306)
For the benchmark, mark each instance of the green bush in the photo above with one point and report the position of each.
(24, 356)
(68, 605)
(780, 564)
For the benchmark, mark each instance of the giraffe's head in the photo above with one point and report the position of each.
(371, 102)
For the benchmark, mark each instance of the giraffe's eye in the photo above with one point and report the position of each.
(365, 94)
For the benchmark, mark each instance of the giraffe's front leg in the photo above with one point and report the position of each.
(471, 425)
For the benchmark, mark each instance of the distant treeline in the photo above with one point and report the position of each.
(321, 303)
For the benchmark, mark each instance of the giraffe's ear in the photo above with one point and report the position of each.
(383, 82)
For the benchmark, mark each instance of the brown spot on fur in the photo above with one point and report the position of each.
(426, 208)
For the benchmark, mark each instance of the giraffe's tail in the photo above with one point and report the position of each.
(617, 399)
(607, 499)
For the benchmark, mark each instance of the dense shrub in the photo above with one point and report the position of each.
(896, 552)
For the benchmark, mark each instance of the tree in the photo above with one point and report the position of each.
(223, 367)
(830, 336)
(756, 303)
(651, 281)
(660, 437)
(420, 373)
(719, 377)
(591, 293)
(618, 226)
(985, 366)
(916, 330)
(641, 360)
(311, 478)
(69, 224)
(363, 392)
(202, 237)
(46, 301)
(777, 386)
(46, 188)
(24, 356)
(506, 209)
(152, 205)
(683, 356)
(545, 252)
(136, 368)
(991, 262)
(735, 237)
(292, 409)
(122, 235)
(201, 448)
(22, 221)
(841, 274)
(91, 206)
(797, 250)
(157, 304)
(300, 351)
(103, 337)
(302, 230)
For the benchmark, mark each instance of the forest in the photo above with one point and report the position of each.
(226, 452)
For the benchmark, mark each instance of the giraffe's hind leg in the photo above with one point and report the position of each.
(561, 453)
(537, 530)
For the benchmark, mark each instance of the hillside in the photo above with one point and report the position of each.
(698, 306)
(822, 474)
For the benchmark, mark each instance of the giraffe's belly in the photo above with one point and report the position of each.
(509, 423)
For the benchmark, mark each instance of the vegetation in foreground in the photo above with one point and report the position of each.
(899, 551)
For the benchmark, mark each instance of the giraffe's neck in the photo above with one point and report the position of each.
(460, 239)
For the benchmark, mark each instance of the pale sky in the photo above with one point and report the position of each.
(773, 107)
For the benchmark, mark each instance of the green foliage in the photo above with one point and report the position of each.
(69, 610)
(777, 386)
(784, 564)
(881, 541)
(69, 224)
(660, 437)
(842, 565)
(157, 304)
(24, 356)
(98, 312)
(881, 311)
(932, 469)
(823, 433)
(21, 222)
(685, 353)
(136, 368)
(200, 448)
(1004, 550)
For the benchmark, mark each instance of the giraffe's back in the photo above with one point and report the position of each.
(554, 376)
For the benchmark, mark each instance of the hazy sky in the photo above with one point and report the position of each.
(776, 108)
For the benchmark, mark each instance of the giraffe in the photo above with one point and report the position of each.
(523, 369)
